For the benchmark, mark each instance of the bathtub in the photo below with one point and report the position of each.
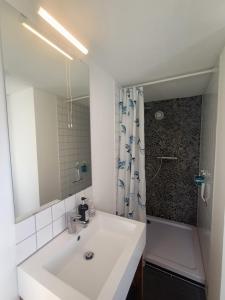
(174, 246)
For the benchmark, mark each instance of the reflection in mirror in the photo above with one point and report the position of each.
(48, 117)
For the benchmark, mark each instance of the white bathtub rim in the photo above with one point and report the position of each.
(170, 222)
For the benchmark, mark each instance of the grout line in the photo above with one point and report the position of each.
(52, 224)
(44, 226)
(35, 232)
(30, 235)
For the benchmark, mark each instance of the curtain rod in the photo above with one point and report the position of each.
(208, 71)
(204, 72)
(78, 98)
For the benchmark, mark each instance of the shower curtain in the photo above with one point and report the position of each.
(131, 190)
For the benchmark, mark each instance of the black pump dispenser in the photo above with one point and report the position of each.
(83, 211)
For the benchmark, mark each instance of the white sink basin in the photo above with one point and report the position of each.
(60, 270)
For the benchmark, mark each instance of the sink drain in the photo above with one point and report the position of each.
(88, 255)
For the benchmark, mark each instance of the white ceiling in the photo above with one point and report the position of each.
(142, 40)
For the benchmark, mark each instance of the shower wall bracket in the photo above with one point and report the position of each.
(200, 181)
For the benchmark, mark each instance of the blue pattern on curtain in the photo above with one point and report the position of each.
(131, 191)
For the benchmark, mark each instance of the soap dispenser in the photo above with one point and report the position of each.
(83, 211)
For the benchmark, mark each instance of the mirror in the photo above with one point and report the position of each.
(48, 116)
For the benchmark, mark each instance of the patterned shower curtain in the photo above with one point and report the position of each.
(131, 192)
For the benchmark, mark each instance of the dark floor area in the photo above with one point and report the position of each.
(159, 285)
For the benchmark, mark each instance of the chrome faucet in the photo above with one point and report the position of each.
(73, 220)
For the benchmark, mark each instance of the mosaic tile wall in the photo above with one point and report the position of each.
(172, 194)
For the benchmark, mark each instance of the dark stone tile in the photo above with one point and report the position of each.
(159, 285)
(172, 194)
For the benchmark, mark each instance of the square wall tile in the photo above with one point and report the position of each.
(88, 193)
(25, 229)
(70, 203)
(44, 235)
(43, 218)
(59, 225)
(25, 249)
(58, 210)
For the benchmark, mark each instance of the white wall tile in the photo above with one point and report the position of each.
(58, 210)
(88, 193)
(70, 203)
(59, 225)
(25, 248)
(44, 235)
(43, 218)
(25, 229)
(37, 230)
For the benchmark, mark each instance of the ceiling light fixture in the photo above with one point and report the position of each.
(46, 40)
(57, 26)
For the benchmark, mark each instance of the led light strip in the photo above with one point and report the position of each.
(57, 26)
(46, 40)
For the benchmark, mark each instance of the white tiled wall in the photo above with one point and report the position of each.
(25, 228)
(26, 248)
(43, 218)
(44, 235)
(58, 210)
(37, 230)
(59, 225)
(74, 146)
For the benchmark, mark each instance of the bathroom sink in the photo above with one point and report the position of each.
(97, 263)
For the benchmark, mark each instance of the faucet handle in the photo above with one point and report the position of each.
(76, 218)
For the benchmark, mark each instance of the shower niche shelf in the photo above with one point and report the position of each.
(167, 157)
